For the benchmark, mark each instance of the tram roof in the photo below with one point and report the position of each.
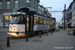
(23, 9)
(43, 16)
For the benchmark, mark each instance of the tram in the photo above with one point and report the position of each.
(18, 20)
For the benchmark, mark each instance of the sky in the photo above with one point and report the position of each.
(57, 5)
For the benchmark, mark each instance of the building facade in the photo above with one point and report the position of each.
(73, 14)
(8, 5)
(70, 14)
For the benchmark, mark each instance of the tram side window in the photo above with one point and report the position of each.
(53, 22)
(36, 20)
(50, 22)
(41, 21)
(45, 21)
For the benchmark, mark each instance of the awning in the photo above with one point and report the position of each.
(69, 22)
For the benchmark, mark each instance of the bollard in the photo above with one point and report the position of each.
(27, 37)
(39, 34)
(51, 32)
(47, 33)
(8, 41)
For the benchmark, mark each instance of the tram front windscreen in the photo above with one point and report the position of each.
(17, 20)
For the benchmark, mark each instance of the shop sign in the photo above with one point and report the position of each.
(7, 13)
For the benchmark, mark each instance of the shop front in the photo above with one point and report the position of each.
(6, 19)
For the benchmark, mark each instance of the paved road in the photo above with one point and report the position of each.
(56, 41)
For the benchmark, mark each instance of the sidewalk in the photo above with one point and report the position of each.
(57, 39)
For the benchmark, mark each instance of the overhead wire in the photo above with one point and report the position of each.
(68, 1)
(58, 2)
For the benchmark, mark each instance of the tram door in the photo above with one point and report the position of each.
(29, 24)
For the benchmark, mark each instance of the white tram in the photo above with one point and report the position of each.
(17, 24)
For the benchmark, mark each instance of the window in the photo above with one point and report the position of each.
(20, 21)
(34, 6)
(36, 20)
(0, 4)
(28, 3)
(16, 3)
(41, 21)
(40, 10)
(53, 22)
(43, 11)
(8, 4)
(47, 21)
(73, 12)
(44, 21)
(50, 22)
(17, 19)
(6, 18)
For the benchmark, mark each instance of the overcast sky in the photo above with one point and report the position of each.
(57, 5)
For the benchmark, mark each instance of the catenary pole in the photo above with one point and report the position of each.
(64, 14)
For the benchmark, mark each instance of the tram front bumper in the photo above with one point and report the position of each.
(15, 34)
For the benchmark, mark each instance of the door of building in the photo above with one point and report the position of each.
(6, 21)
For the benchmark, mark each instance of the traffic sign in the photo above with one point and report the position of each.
(67, 12)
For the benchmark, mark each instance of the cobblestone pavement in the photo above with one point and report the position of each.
(3, 29)
(57, 41)
(1, 48)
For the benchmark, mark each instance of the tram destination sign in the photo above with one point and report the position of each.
(14, 13)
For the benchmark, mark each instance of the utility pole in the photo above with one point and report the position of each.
(64, 14)
(61, 11)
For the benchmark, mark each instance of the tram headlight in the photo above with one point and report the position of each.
(13, 33)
